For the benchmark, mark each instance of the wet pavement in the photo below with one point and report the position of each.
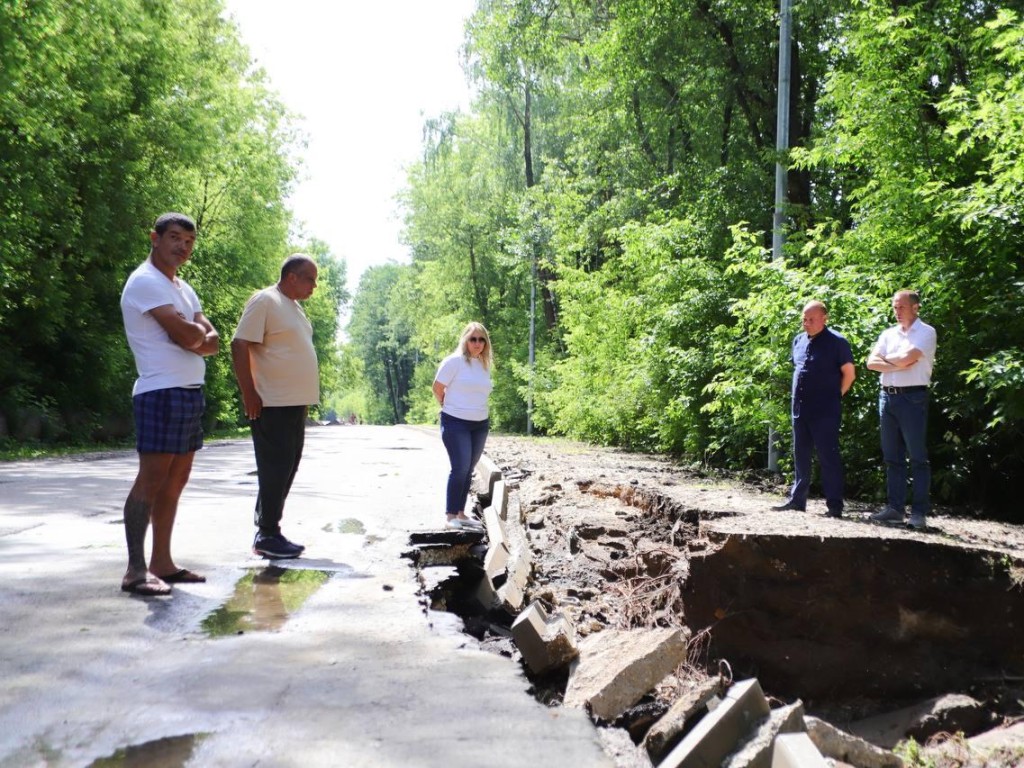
(328, 660)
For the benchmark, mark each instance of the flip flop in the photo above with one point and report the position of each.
(183, 576)
(147, 586)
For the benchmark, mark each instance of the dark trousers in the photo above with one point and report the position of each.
(464, 440)
(277, 439)
(820, 435)
(903, 418)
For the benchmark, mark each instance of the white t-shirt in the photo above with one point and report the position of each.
(161, 363)
(893, 341)
(467, 387)
(283, 358)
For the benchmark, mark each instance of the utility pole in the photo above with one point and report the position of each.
(533, 324)
(781, 182)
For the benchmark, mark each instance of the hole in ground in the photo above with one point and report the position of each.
(855, 625)
(170, 752)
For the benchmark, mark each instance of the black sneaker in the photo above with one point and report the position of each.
(275, 547)
(302, 547)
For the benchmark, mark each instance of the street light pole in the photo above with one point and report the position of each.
(781, 185)
(533, 334)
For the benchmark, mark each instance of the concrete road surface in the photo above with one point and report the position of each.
(359, 674)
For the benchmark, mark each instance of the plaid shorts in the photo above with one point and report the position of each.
(169, 420)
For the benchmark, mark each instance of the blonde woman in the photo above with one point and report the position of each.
(463, 387)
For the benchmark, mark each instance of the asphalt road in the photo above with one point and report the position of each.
(358, 673)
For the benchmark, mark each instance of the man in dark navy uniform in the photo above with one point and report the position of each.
(823, 372)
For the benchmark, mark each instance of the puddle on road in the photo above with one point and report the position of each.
(264, 599)
(171, 752)
(348, 525)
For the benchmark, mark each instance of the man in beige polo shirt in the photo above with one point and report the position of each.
(276, 367)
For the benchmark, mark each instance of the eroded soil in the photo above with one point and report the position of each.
(851, 617)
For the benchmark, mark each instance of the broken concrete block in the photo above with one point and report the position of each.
(545, 642)
(616, 668)
(446, 538)
(495, 528)
(950, 713)
(495, 562)
(663, 734)
(486, 595)
(796, 750)
(515, 511)
(517, 576)
(756, 750)
(1002, 740)
(487, 473)
(839, 745)
(519, 567)
(499, 499)
(716, 735)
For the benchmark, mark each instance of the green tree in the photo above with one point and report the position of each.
(112, 112)
(382, 342)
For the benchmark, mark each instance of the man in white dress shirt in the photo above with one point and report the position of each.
(905, 355)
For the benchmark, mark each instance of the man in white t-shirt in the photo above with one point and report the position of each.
(905, 355)
(276, 367)
(169, 336)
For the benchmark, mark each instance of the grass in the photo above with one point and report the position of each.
(946, 750)
(12, 450)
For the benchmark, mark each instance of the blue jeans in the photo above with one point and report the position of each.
(464, 440)
(904, 423)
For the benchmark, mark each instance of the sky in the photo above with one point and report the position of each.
(363, 76)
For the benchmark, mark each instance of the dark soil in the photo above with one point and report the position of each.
(851, 617)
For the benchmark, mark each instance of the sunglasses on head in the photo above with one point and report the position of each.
(480, 339)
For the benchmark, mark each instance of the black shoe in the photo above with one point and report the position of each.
(836, 513)
(275, 547)
(789, 506)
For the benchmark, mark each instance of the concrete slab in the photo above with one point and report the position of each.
(756, 750)
(545, 642)
(689, 706)
(796, 750)
(617, 667)
(499, 499)
(719, 731)
(360, 675)
(841, 746)
(487, 474)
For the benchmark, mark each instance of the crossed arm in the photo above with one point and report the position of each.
(885, 364)
(196, 335)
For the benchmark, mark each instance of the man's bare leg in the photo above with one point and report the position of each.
(138, 509)
(164, 511)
